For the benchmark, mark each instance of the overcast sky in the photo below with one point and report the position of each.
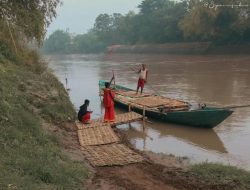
(79, 15)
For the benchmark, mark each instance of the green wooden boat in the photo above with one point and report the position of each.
(207, 117)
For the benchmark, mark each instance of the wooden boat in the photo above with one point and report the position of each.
(166, 109)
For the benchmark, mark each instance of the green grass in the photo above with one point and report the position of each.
(222, 174)
(30, 157)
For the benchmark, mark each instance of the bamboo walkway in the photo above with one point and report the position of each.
(101, 145)
(119, 120)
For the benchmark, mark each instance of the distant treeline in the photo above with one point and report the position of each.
(221, 22)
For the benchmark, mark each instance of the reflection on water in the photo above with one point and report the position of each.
(216, 80)
(189, 135)
(210, 140)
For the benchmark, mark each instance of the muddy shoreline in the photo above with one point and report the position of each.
(158, 171)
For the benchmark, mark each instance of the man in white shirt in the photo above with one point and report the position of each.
(143, 75)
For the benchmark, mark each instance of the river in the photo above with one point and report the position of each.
(218, 80)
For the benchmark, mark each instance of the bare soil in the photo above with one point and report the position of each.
(158, 171)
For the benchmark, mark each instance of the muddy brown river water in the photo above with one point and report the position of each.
(217, 80)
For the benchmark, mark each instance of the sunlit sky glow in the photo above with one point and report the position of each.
(79, 15)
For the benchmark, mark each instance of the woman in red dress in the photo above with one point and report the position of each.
(108, 101)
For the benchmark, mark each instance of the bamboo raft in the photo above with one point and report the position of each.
(101, 145)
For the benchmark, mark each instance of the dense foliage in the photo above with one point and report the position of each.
(21, 23)
(62, 42)
(164, 21)
(29, 17)
(223, 22)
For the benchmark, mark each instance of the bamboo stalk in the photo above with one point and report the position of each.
(143, 119)
(11, 35)
(113, 76)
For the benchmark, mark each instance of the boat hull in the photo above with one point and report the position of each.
(207, 118)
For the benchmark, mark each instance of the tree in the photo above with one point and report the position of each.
(58, 42)
(149, 7)
(63, 42)
(129, 28)
(199, 23)
(221, 25)
(87, 43)
(30, 17)
(163, 21)
(109, 28)
(159, 20)
(103, 27)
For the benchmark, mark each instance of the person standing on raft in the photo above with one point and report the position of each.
(108, 101)
(84, 114)
(142, 78)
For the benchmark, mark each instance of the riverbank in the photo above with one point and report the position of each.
(180, 48)
(160, 171)
(34, 109)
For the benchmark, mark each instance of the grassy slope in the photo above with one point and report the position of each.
(30, 157)
(222, 174)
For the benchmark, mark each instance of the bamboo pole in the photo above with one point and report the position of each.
(234, 107)
(144, 113)
(113, 76)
